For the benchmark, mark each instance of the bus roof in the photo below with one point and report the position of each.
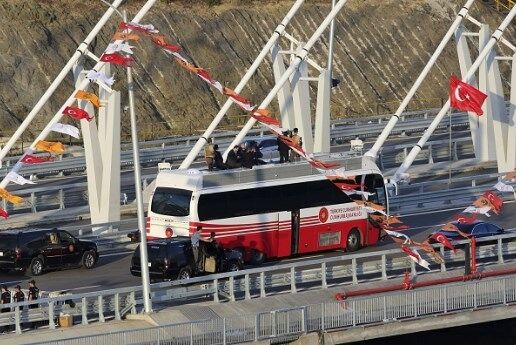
(193, 179)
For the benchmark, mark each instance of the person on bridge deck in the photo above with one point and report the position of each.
(209, 154)
(233, 160)
(33, 293)
(219, 161)
(5, 298)
(32, 296)
(294, 156)
(19, 296)
(196, 238)
(283, 149)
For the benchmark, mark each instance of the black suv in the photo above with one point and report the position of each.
(173, 258)
(39, 250)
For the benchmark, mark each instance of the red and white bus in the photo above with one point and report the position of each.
(269, 211)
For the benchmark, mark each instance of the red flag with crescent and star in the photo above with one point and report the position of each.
(444, 240)
(466, 97)
(4, 213)
(77, 113)
(30, 159)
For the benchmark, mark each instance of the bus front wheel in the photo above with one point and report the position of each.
(353, 241)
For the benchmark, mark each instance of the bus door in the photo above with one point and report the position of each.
(294, 247)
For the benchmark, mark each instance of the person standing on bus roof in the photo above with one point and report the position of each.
(294, 156)
(283, 149)
(233, 161)
(209, 154)
(219, 161)
(196, 238)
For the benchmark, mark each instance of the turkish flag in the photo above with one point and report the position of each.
(3, 213)
(77, 113)
(117, 59)
(463, 219)
(30, 159)
(466, 97)
(444, 240)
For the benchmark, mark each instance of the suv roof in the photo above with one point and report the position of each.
(22, 231)
(164, 241)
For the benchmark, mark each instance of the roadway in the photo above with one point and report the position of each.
(112, 271)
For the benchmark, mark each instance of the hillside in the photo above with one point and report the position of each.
(381, 46)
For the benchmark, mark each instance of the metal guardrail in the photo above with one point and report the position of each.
(178, 147)
(289, 324)
(73, 195)
(262, 281)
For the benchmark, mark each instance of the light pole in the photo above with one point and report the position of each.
(147, 303)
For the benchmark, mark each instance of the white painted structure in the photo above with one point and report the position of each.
(503, 121)
(102, 143)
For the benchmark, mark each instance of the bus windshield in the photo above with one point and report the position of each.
(171, 202)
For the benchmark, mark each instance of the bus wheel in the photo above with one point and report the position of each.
(353, 241)
(257, 257)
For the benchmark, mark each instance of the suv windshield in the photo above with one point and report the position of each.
(171, 202)
(8, 241)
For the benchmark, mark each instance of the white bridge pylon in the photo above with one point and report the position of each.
(494, 133)
(102, 143)
(291, 88)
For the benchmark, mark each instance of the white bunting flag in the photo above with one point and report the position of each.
(14, 177)
(119, 47)
(398, 235)
(419, 260)
(482, 210)
(502, 187)
(66, 129)
(94, 75)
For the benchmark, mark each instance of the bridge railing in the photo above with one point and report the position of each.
(177, 148)
(288, 324)
(73, 195)
(256, 282)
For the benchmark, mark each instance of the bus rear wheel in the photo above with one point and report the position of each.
(353, 241)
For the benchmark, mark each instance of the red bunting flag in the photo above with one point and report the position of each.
(241, 101)
(263, 115)
(444, 240)
(466, 97)
(30, 159)
(463, 219)
(322, 165)
(347, 186)
(77, 113)
(160, 41)
(3, 213)
(117, 59)
(495, 200)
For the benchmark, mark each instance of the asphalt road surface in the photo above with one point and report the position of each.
(113, 270)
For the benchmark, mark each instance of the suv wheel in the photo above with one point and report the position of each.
(233, 266)
(36, 266)
(88, 259)
(257, 257)
(184, 273)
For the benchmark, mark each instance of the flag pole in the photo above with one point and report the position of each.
(147, 303)
(450, 147)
